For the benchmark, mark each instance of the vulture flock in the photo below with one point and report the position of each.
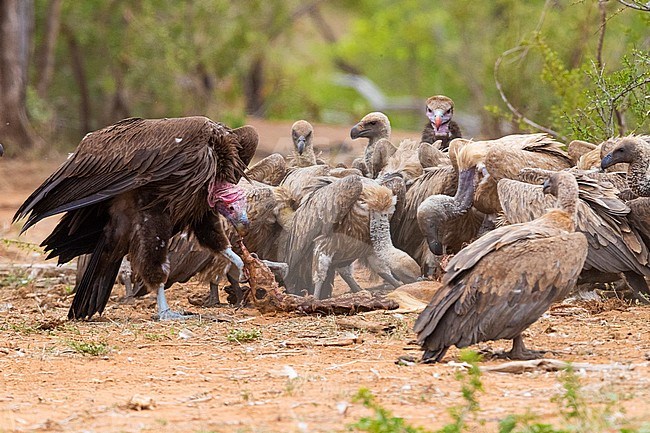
(525, 219)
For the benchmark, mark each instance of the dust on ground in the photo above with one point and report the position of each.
(125, 372)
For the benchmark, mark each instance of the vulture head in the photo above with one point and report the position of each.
(302, 134)
(440, 110)
(374, 126)
(432, 214)
(230, 201)
(563, 186)
(627, 150)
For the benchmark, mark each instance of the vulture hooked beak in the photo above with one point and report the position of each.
(230, 201)
(439, 121)
(2, 150)
(301, 144)
(607, 161)
(436, 248)
(358, 131)
(546, 188)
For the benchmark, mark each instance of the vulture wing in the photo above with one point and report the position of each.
(325, 207)
(270, 170)
(136, 152)
(490, 293)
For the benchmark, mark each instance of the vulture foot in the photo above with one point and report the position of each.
(519, 350)
(210, 300)
(172, 315)
(164, 312)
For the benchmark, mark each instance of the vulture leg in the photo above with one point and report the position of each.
(519, 350)
(433, 356)
(639, 286)
(213, 295)
(346, 274)
(164, 312)
(237, 261)
(383, 270)
(321, 267)
(234, 291)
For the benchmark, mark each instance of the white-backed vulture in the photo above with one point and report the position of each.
(499, 285)
(340, 221)
(440, 110)
(504, 158)
(302, 154)
(449, 222)
(375, 127)
(404, 160)
(615, 244)
(430, 155)
(129, 187)
(635, 151)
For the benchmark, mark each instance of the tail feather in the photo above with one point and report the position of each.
(97, 282)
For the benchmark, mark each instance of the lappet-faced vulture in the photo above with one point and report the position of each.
(375, 127)
(500, 284)
(129, 187)
(615, 244)
(440, 110)
(340, 221)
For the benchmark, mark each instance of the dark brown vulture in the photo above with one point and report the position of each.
(440, 110)
(499, 285)
(340, 221)
(128, 188)
(375, 127)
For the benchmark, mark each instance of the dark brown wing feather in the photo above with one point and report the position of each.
(133, 153)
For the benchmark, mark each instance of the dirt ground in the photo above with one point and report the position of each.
(298, 374)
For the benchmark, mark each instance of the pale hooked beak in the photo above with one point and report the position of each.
(301, 144)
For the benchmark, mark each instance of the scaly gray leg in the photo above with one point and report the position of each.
(164, 312)
(346, 274)
(323, 263)
(235, 260)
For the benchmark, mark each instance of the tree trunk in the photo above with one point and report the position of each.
(16, 26)
(77, 64)
(45, 57)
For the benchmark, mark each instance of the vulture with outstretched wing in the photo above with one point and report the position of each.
(500, 284)
(129, 187)
(440, 110)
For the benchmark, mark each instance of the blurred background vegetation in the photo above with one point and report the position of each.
(580, 69)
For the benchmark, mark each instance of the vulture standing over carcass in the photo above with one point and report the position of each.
(616, 245)
(440, 110)
(500, 284)
(375, 127)
(129, 187)
(340, 221)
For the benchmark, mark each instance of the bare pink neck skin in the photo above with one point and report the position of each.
(224, 192)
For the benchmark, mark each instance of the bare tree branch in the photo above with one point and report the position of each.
(518, 115)
(636, 5)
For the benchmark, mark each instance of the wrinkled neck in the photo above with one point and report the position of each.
(466, 187)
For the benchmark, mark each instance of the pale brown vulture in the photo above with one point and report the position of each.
(499, 285)
(375, 127)
(303, 154)
(635, 151)
(340, 221)
(615, 243)
(129, 187)
(504, 158)
(440, 110)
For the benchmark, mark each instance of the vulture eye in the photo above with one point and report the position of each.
(231, 208)
(448, 111)
(308, 134)
(374, 122)
(428, 109)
